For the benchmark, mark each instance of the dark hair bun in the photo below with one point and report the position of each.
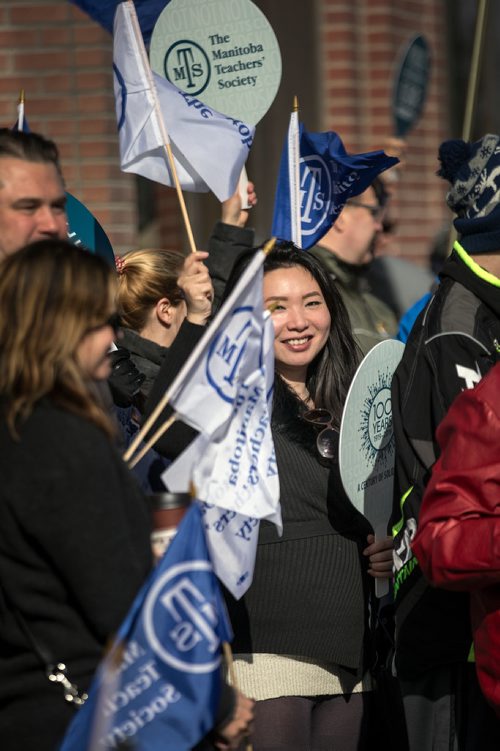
(453, 155)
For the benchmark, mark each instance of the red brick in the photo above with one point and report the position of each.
(62, 128)
(62, 82)
(91, 34)
(87, 81)
(97, 149)
(98, 172)
(98, 104)
(40, 61)
(88, 58)
(14, 38)
(58, 37)
(13, 85)
(98, 126)
(28, 14)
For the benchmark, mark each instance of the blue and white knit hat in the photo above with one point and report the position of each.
(473, 169)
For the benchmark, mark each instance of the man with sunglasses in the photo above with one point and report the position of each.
(346, 251)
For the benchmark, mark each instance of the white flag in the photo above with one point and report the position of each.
(210, 149)
(234, 468)
(230, 353)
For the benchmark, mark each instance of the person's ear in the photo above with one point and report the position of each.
(164, 311)
(341, 221)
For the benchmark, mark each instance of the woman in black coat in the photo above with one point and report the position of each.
(74, 527)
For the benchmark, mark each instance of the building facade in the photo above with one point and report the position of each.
(339, 58)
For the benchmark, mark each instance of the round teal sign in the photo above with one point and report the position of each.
(84, 230)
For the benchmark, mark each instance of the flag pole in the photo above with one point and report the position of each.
(163, 129)
(190, 364)
(150, 443)
(472, 87)
(475, 69)
(294, 148)
(20, 111)
(228, 656)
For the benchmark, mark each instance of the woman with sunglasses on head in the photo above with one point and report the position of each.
(301, 645)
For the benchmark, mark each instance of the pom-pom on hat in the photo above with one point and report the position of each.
(473, 169)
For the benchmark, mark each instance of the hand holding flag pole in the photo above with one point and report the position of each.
(161, 122)
(192, 361)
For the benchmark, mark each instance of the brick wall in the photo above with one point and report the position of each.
(359, 42)
(63, 61)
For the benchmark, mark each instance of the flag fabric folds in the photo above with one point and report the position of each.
(327, 177)
(103, 11)
(209, 148)
(234, 470)
(158, 688)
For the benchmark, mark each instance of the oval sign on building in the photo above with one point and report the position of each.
(224, 52)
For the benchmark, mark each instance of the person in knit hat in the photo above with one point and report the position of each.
(454, 342)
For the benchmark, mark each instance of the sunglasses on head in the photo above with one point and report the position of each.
(327, 441)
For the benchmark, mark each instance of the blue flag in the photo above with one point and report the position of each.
(158, 688)
(316, 178)
(103, 11)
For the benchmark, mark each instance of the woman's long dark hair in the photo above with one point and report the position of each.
(331, 372)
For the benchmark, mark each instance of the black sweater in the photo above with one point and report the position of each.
(308, 594)
(74, 549)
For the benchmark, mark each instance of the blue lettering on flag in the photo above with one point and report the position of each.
(226, 352)
(161, 691)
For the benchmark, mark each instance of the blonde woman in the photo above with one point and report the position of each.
(160, 293)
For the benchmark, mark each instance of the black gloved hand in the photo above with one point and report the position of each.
(125, 380)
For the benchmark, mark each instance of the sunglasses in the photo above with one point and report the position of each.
(376, 211)
(327, 441)
(114, 321)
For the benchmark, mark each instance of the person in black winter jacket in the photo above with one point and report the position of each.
(453, 343)
(74, 527)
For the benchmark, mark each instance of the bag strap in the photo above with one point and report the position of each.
(55, 672)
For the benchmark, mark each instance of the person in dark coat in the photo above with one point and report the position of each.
(74, 527)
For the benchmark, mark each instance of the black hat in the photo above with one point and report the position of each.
(473, 169)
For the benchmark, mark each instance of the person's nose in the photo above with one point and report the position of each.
(297, 320)
(47, 222)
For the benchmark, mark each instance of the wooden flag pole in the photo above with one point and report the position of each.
(151, 442)
(228, 656)
(163, 128)
(185, 370)
(472, 88)
(475, 69)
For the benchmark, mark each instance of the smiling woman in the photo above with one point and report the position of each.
(300, 631)
(301, 641)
